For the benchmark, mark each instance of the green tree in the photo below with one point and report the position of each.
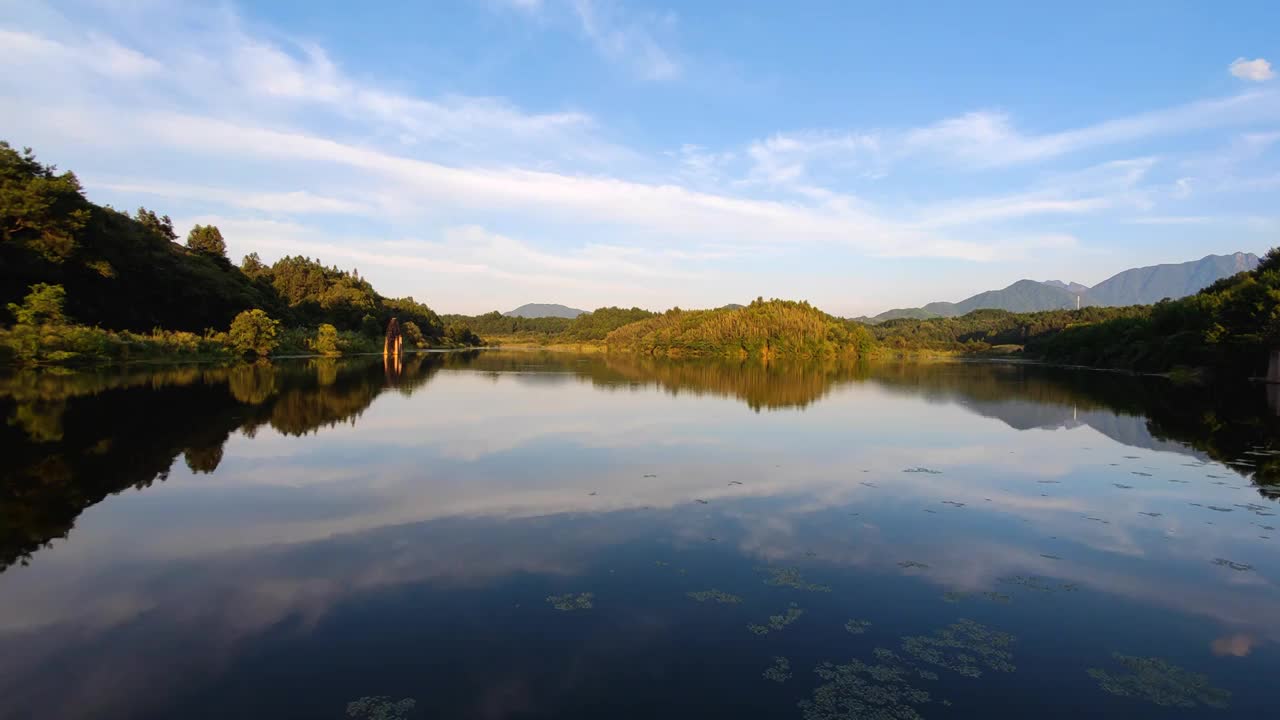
(40, 210)
(413, 334)
(370, 327)
(253, 266)
(253, 331)
(160, 225)
(327, 340)
(207, 239)
(42, 306)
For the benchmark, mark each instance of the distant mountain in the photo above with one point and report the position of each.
(1022, 296)
(1147, 285)
(537, 310)
(1073, 287)
(1138, 286)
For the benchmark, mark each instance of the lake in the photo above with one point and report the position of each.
(523, 534)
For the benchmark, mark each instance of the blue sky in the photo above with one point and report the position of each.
(479, 155)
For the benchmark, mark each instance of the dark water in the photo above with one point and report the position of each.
(957, 540)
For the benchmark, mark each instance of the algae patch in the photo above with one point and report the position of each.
(570, 601)
(1160, 682)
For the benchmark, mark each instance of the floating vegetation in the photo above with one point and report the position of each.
(1097, 520)
(1050, 557)
(661, 563)
(570, 601)
(858, 690)
(1241, 567)
(1049, 482)
(591, 494)
(965, 647)
(931, 512)
(857, 627)
(1180, 482)
(1039, 584)
(1122, 486)
(1160, 682)
(380, 707)
(953, 503)
(925, 470)
(651, 475)
(954, 596)
(1150, 514)
(909, 564)
(714, 595)
(791, 577)
(712, 538)
(1220, 509)
(868, 484)
(700, 501)
(1252, 507)
(1131, 457)
(1143, 474)
(734, 482)
(810, 553)
(777, 622)
(779, 671)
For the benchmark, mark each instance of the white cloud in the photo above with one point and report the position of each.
(1256, 70)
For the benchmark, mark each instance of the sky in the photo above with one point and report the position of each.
(484, 154)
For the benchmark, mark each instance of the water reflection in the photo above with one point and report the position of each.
(505, 531)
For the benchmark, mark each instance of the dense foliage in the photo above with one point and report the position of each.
(765, 329)
(982, 330)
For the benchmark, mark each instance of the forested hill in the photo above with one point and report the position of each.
(763, 329)
(129, 272)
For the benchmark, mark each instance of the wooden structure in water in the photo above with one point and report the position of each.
(393, 345)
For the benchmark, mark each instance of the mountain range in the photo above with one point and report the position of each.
(1136, 286)
(538, 310)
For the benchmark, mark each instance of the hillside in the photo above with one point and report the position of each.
(1136, 286)
(543, 310)
(123, 272)
(764, 329)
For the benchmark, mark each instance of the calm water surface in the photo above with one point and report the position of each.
(533, 535)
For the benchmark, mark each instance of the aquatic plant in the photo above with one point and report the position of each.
(1122, 486)
(780, 671)
(714, 595)
(908, 564)
(964, 647)
(999, 597)
(1160, 682)
(380, 707)
(953, 503)
(857, 691)
(1150, 514)
(569, 601)
(777, 622)
(791, 577)
(1232, 564)
(954, 596)
(925, 470)
(857, 627)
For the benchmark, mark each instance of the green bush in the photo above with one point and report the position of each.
(254, 332)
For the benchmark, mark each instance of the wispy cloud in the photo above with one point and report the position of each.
(628, 39)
